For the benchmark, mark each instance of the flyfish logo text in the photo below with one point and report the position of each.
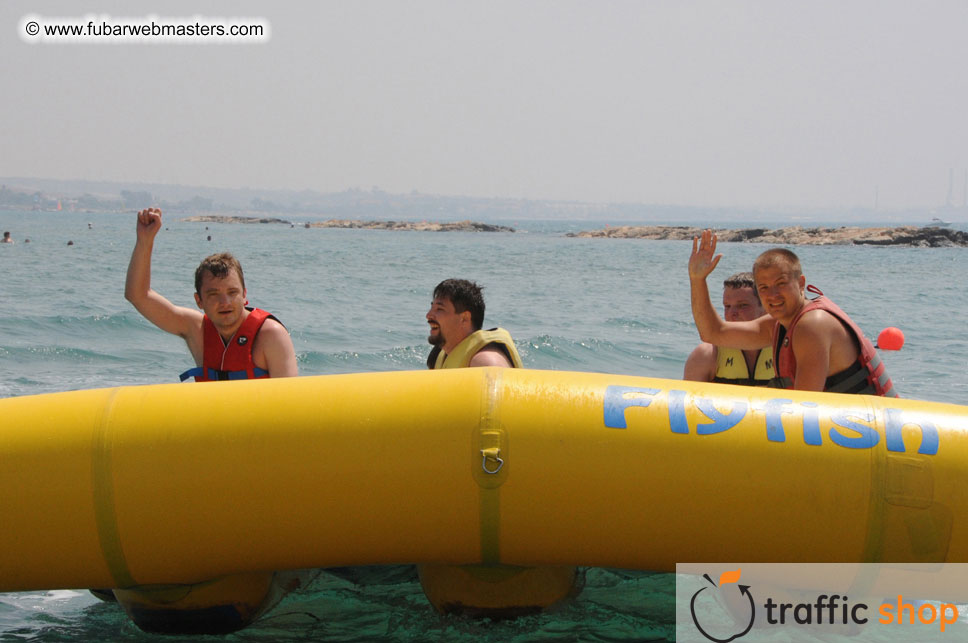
(856, 428)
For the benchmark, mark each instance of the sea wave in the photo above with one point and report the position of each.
(87, 326)
(549, 352)
(325, 363)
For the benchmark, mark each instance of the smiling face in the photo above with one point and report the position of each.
(223, 301)
(448, 328)
(741, 304)
(780, 291)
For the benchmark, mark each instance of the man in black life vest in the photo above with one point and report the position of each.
(227, 340)
(816, 346)
(711, 363)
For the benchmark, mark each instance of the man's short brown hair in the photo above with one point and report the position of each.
(740, 280)
(779, 257)
(219, 265)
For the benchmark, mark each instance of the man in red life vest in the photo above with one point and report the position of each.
(816, 346)
(227, 340)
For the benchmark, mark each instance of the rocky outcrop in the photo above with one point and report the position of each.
(798, 235)
(422, 226)
(218, 218)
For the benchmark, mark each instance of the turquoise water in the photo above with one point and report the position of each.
(355, 300)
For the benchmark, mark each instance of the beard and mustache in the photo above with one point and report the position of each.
(437, 341)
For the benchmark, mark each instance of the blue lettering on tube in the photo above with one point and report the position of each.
(720, 421)
(619, 398)
(894, 422)
(677, 412)
(774, 420)
(811, 424)
(867, 437)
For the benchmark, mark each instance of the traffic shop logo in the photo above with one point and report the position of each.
(728, 582)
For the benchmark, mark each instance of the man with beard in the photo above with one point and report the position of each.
(456, 317)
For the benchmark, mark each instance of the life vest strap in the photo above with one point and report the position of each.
(853, 379)
(748, 381)
(217, 375)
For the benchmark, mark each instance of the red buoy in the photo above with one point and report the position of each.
(890, 339)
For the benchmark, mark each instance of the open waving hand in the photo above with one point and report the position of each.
(703, 259)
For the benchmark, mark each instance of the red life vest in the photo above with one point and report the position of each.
(867, 376)
(232, 360)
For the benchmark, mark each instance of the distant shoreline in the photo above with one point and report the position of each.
(419, 226)
(913, 236)
(210, 218)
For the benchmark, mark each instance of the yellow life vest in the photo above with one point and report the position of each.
(461, 356)
(731, 367)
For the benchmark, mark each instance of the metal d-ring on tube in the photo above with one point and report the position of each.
(492, 453)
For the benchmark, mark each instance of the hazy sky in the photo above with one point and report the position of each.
(753, 103)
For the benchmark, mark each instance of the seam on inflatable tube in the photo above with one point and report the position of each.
(873, 547)
(105, 516)
(490, 496)
(877, 508)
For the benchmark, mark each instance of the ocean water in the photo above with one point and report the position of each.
(354, 300)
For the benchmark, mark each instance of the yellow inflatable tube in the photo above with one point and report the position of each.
(168, 484)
